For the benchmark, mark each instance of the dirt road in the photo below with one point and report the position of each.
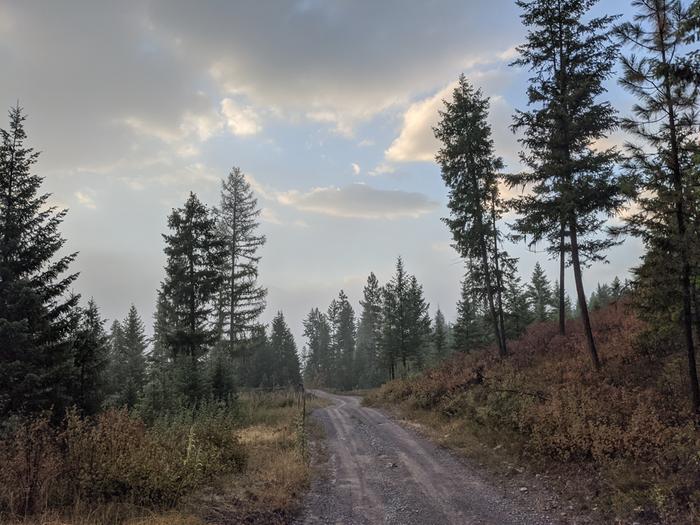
(379, 472)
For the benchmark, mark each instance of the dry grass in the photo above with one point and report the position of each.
(266, 489)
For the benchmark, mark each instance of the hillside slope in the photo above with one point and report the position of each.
(623, 436)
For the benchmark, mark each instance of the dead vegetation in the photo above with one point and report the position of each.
(628, 428)
(240, 464)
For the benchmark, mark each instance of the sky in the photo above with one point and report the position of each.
(326, 105)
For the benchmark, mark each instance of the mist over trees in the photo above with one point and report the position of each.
(208, 341)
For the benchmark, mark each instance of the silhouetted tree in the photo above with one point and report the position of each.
(37, 315)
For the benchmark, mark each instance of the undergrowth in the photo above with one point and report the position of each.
(631, 421)
(221, 463)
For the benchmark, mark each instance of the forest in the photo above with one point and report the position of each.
(125, 413)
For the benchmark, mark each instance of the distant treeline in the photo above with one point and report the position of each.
(394, 336)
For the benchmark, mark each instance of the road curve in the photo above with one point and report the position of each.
(379, 472)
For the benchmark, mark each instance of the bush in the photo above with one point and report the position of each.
(115, 457)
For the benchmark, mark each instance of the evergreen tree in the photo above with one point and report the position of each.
(517, 306)
(418, 322)
(160, 394)
(469, 169)
(394, 326)
(242, 298)
(369, 331)
(440, 333)
(286, 369)
(574, 187)
(128, 359)
(469, 332)
(259, 365)
(90, 359)
(663, 166)
(37, 316)
(194, 256)
(317, 369)
(539, 292)
(341, 318)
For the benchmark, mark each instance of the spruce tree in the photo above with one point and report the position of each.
(341, 318)
(194, 257)
(394, 326)
(286, 369)
(468, 331)
(517, 306)
(663, 164)
(128, 359)
(159, 390)
(90, 360)
(469, 169)
(242, 298)
(439, 336)
(37, 315)
(367, 361)
(317, 370)
(419, 326)
(573, 185)
(539, 293)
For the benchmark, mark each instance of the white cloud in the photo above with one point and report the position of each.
(240, 120)
(85, 199)
(359, 201)
(382, 169)
(355, 168)
(416, 141)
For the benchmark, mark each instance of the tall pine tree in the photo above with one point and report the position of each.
(573, 185)
(469, 168)
(663, 164)
(194, 257)
(367, 361)
(37, 318)
(242, 298)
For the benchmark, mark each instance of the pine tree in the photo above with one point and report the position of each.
(469, 169)
(242, 298)
(468, 332)
(367, 361)
(664, 165)
(419, 329)
(90, 359)
(394, 326)
(194, 256)
(128, 360)
(160, 395)
(286, 369)
(37, 316)
(317, 370)
(539, 292)
(517, 306)
(574, 187)
(341, 318)
(440, 345)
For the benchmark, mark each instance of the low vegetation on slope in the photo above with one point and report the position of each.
(245, 462)
(629, 424)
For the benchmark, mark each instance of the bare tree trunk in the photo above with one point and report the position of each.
(680, 220)
(562, 274)
(582, 294)
(499, 280)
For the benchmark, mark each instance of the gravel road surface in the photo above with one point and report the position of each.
(379, 472)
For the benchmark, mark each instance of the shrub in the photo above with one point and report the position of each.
(115, 457)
